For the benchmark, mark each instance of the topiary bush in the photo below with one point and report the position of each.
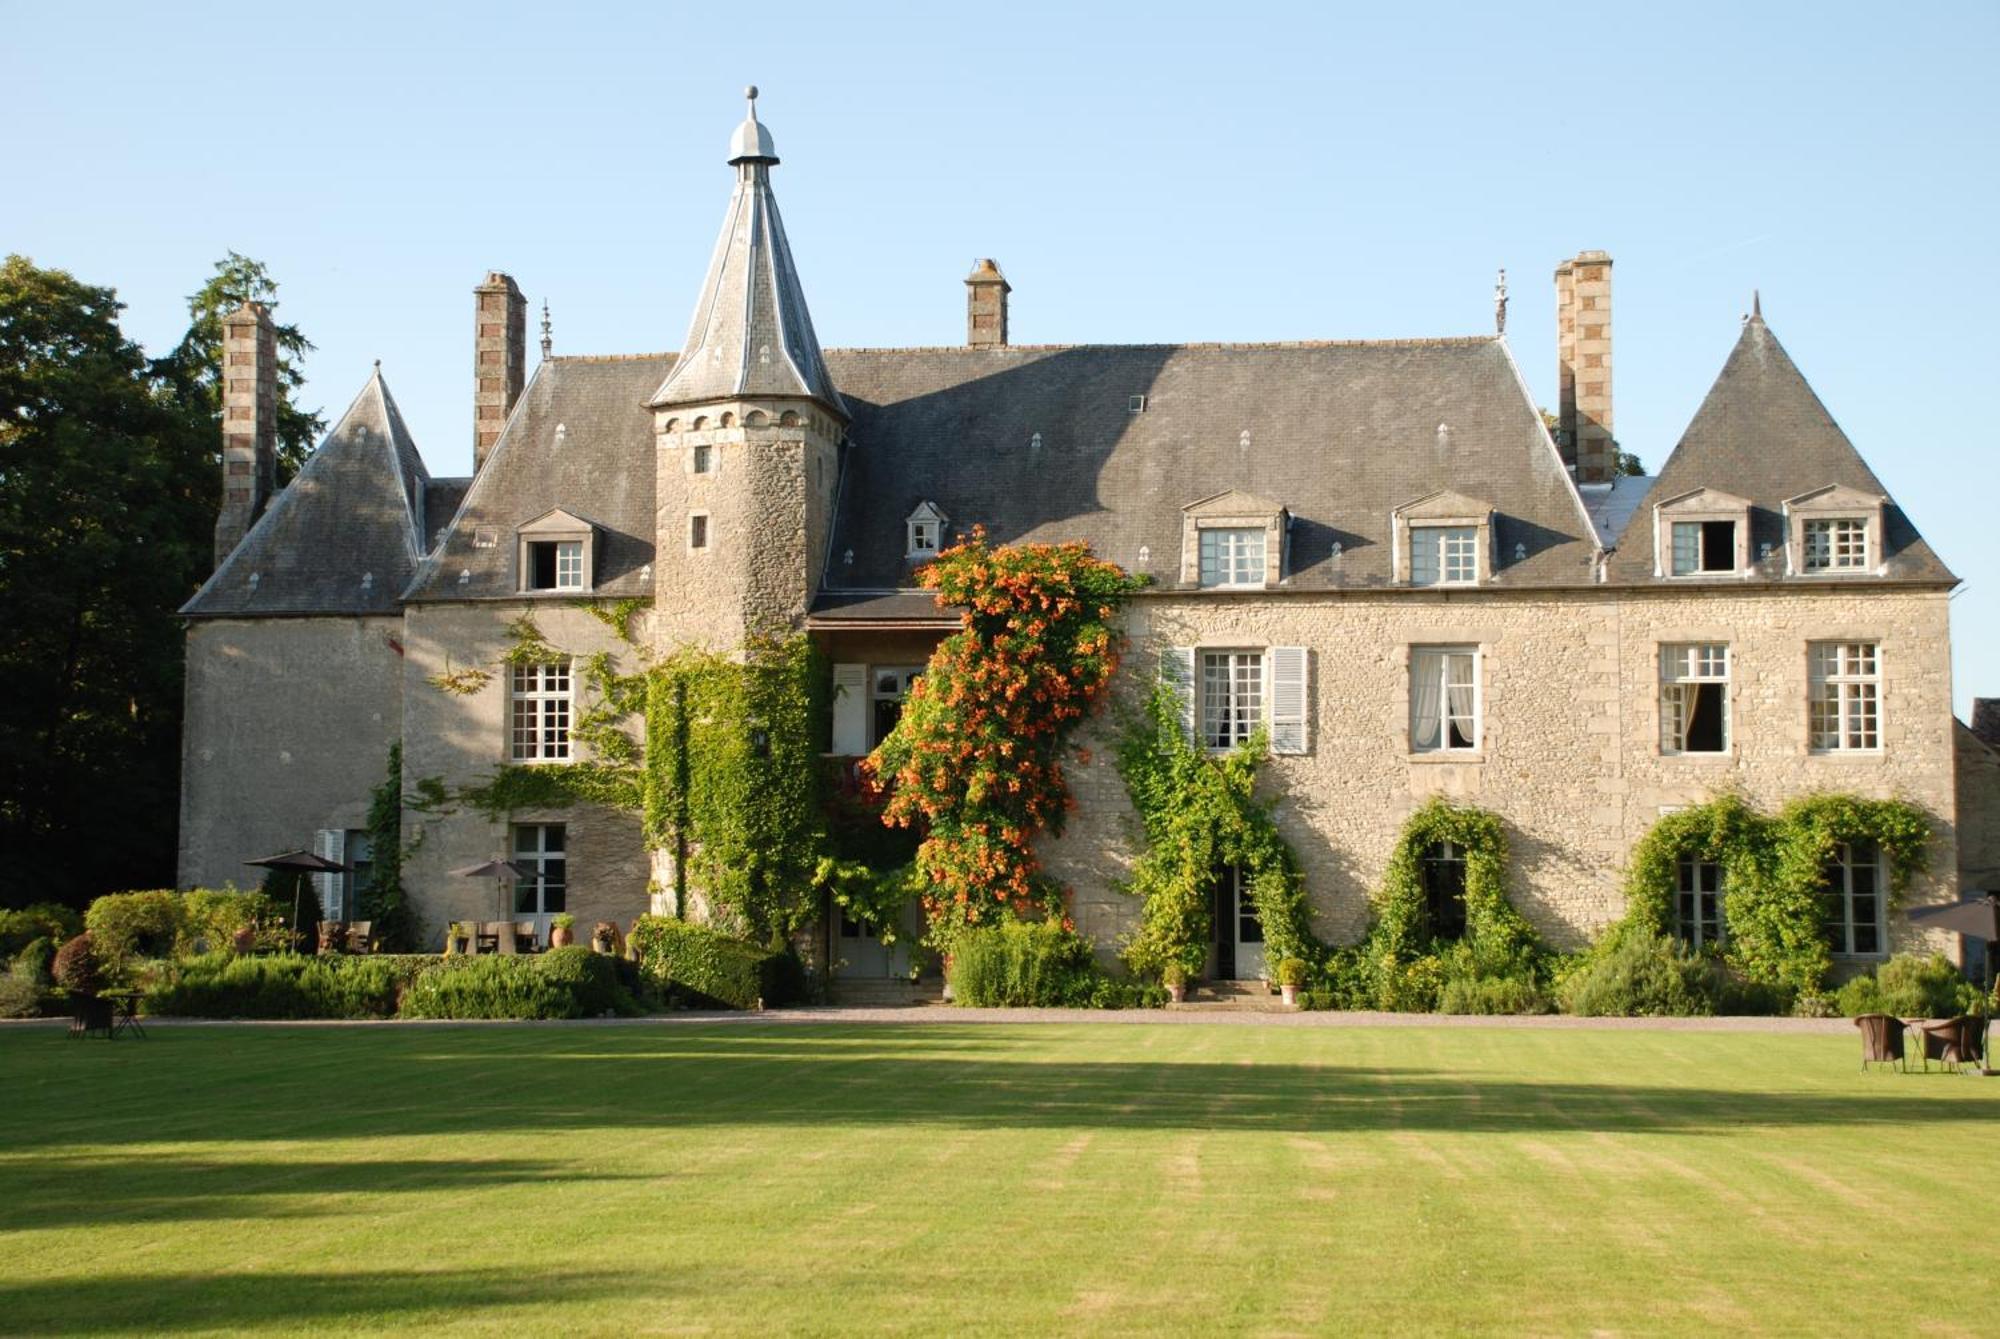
(43, 920)
(569, 982)
(78, 968)
(135, 925)
(1021, 964)
(696, 964)
(1911, 985)
(1638, 973)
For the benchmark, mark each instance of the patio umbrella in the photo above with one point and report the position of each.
(1977, 917)
(503, 872)
(298, 862)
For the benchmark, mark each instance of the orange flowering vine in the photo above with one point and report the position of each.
(976, 759)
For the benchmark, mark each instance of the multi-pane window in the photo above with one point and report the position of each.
(1845, 685)
(888, 689)
(1444, 555)
(703, 461)
(541, 712)
(1444, 699)
(1837, 545)
(540, 851)
(1232, 696)
(923, 536)
(1851, 899)
(1232, 557)
(1703, 546)
(1694, 698)
(1444, 891)
(555, 565)
(1698, 903)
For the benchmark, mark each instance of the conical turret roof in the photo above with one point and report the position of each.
(751, 333)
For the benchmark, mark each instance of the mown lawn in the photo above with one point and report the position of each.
(986, 1179)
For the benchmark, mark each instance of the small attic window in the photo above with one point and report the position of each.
(555, 564)
(1704, 546)
(1136, 404)
(924, 531)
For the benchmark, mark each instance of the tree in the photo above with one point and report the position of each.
(194, 368)
(1626, 462)
(107, 503)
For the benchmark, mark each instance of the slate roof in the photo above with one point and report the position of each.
(1763, 434)
(1041, 444)
(355, 511)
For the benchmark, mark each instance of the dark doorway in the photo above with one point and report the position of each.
(1444, 891)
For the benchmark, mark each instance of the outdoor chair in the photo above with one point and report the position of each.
(524, 937)
(90, 1013)
(1943, 1040)
(332, 936)
(487, 939)
(1881, 1040)
(361, 937)
(1972, 1040)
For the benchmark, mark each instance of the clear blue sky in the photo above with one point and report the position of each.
(1144, 173)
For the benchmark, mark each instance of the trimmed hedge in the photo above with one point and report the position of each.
(699, 965)
(562, 983)
(1023, 964)
(43, 920)
(162, 923)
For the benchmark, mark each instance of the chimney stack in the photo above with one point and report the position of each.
(249, 423)
(500, 360)
(1583, 367)
(986, 291)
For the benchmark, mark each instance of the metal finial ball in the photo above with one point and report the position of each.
(751, 92)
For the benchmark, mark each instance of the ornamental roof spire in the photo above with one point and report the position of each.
(751, 333)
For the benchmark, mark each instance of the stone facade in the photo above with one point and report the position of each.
(249, 423)
(500, 359)
(1978, 765)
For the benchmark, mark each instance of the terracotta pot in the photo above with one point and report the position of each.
(561, 936)
(1177, 991)
(1291, 994)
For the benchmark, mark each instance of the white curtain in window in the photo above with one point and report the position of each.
(1426, 692)
(1459, 692)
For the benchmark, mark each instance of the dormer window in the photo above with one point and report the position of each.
(555, 553)
(1444, 539)
(1444, 555)
(1837, 544)
(923, 531)
(1232, 557)
(1233, 541)
(1704, 546)
(1703, 533)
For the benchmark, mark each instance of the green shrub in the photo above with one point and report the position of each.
(1492, 995)
(210, 918)
(135, 925)
(570, 982)
(78, 968)
(1292, 972)
(1023, 963)
(1911, 985)
(225, 985)
(1639, 974)
(700, 965)
(35, 961)
(20, 996)
(43, 920)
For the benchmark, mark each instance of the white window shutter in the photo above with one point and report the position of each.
(1289, 725)
(330, 844)
(1177, 672)
(850, 710)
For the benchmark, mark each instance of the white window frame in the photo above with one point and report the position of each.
(541, 712)
(1227, 720)
(1693, 930)
(1699, 525)
(1438, 660)
(923, 532)
(1838, 885)
(1232, 557)
(1844, 696)
(531, 850)
(1447, 554)
(1836, 543)
(1686, 664)
(900, 679)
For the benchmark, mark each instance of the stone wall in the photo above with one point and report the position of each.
(461, 740)
(288, 730)
(1570, 755)
(1978, 813)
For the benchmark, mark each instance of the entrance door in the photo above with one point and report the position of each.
(542, 850)
(858, 950)
(1239, 934)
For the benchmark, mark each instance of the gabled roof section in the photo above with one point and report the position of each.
(1444, 504)
(1703, 499)
(1763, 435)
(1233, 502)
(751, 333)
(1835, 497)
(556, 521)
(344, 537)
(598, 469)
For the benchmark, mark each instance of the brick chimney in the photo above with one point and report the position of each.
(500, 360)
(986, 291)
(1986, 719)
(1583, 367)
(249, 423)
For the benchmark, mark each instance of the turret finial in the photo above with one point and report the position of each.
(1500, 304)
(1756, 305)
(547, 342)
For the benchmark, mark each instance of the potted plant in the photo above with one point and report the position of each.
(1175, 979)
(562, 930)
(604, 937)
(1291, 975)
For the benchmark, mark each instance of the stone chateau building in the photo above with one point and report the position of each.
(1375, 548)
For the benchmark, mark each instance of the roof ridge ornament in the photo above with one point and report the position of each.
(751, 143)
(1500, 304)
(547, 343)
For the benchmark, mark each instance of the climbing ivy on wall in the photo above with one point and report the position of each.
(976, 760)
(383, 900)
(1497, 937)
(1772, 869)
(1201, 814)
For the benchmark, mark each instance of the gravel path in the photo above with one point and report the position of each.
(928, 1015)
